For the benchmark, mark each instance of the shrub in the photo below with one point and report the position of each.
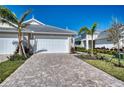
(16, 57)
(72, 50)
(99, 50)
(89, 51)
(80, 49)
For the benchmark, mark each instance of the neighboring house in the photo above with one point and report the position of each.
(43, 38)
(102, 41)
(85, 40)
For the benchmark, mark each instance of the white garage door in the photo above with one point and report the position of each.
(7, 45)
(52, 45)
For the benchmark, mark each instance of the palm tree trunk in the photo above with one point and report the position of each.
(21, 50)
(28, 42)
(92, 45)
(20, 40)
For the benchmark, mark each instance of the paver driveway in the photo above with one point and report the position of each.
(59, 70)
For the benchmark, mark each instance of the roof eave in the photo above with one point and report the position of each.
(49, 33)
(52, 33)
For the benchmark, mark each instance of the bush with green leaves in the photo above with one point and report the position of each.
(105, 51)
(80, 49)
(16, 57)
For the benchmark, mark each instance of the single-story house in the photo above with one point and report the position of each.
(43, 38)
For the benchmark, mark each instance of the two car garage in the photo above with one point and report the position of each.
(52, 45)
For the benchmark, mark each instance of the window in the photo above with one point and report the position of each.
(77, 42)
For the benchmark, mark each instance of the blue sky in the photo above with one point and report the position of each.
(73, 17)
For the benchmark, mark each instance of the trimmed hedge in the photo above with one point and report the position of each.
(110, 52)
(80, 49)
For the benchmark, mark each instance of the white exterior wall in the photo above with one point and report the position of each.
(94, 37)
(8, 43)
(85, 40)
(103, 43)
(107, 44)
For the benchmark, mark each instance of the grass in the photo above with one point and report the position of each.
(107, 67)
(8, 67)
(114, 59)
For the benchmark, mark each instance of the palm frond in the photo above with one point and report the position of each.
(7, 22)
(85, 30)
(93, 29)
(8, 15)
(24, 16)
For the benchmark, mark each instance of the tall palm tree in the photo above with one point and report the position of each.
(90, 32)
(8, 17)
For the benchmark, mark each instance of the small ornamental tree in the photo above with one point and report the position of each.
(115, 35)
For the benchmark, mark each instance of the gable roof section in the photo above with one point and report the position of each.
(47, 29)
(36, 26)
(104, 34)
(30, 21)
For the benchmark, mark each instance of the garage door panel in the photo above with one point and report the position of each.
(7, 45)
(52, 45)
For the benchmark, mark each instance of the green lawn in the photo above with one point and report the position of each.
(8, 67)
(107, 67)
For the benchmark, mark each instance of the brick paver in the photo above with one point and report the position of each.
(59, 70)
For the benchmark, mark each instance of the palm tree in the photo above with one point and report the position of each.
(8, 17)
(89, 32)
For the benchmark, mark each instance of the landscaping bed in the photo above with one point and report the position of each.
(104, 51)
(9, 66)
(107, 67)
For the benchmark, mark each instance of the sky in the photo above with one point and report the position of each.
(72, 17)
